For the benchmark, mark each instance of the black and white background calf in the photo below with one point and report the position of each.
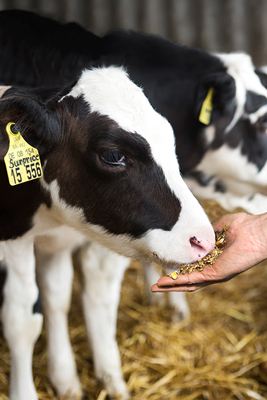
(233, 168)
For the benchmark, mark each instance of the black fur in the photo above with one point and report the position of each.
(3, 275)
(254, 101)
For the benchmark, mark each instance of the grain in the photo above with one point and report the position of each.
(208, 260)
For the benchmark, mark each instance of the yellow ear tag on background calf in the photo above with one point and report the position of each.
(22, 160)
(206, 109)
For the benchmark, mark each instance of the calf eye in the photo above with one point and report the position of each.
(113, 157)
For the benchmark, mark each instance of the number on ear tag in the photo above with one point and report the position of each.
(206, 109)
(22, 161)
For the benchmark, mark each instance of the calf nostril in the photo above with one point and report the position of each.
(198, 247)
(195, 242)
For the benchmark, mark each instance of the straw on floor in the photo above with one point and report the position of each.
(219, 353)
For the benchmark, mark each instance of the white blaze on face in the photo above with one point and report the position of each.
(110, 92)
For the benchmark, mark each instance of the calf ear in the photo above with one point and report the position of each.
(222, 96)
(39, 125)
(254, 101)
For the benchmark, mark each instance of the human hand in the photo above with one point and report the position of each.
(246, 246)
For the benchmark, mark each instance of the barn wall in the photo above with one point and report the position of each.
(217, 25)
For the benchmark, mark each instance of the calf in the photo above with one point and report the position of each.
(176, 79)
(109, 172)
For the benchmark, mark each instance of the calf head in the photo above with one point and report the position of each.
(110, 168)
(236, 149)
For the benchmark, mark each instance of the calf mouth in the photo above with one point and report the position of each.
(199, 265)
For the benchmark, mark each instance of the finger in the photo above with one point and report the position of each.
(182, 288)
(166, 281)
(193, 278)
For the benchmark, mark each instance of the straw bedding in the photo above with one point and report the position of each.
(219, 353)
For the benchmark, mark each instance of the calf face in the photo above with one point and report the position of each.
(109, 167)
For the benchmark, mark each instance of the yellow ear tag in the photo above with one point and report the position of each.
(206, 109)
(22, 160)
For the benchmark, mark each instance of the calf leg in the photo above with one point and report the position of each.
(177, 300)
(21, 325)
(55, 274)
(103, 272)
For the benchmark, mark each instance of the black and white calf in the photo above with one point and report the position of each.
(224, 160)
(109, 171)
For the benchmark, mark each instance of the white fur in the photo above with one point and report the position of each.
(55, 274)
(263, 69)
(102, 272)
(209, 134)
(102, 275)
(21, 327)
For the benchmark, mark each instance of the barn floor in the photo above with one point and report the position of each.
(220, 353)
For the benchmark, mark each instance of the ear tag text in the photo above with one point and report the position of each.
(206, 109)
(22, 161)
